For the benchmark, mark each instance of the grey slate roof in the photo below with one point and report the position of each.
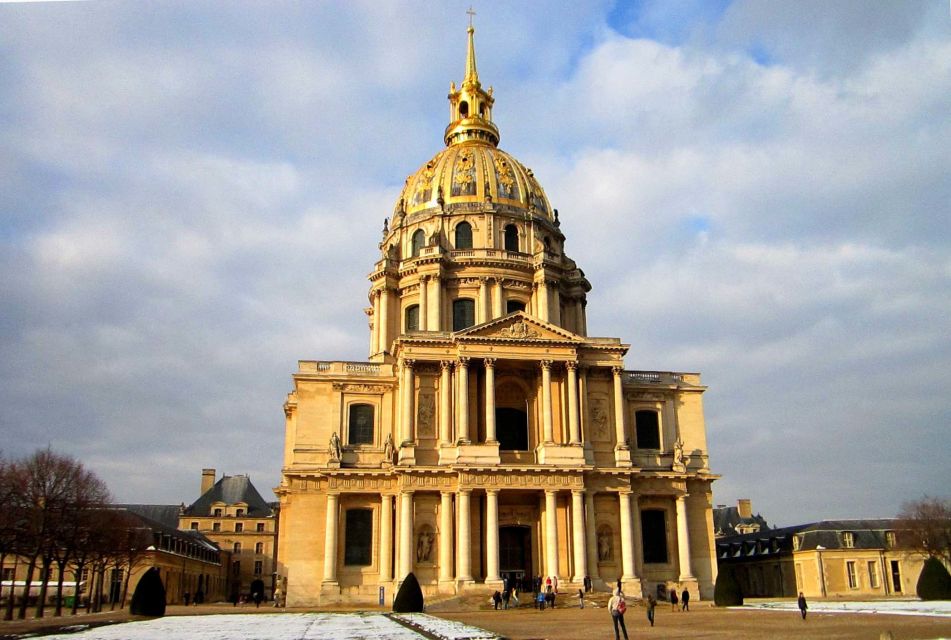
(139, 511)
(867, 534)
(231, 490)
(725, 520)
(165, 514)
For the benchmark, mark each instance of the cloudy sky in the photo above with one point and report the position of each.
(191, 194)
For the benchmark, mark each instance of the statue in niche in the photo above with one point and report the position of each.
(335, 449)
(599, 418)
(680, 460)
(424, 545)
(425, 413)
(389, 449)
(605, 546)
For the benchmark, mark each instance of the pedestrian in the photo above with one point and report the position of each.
(673, 599)
(802, 604)
(618, 607)
(496, 599)
(506, 596)
(540, 601)
(258, 597)
(277, 597)
(199, 597)
(188, 598)
(685, 600)
(587, 584)
(581, 597)
(651, 603)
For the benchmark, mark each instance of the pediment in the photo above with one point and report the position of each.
(520, 327)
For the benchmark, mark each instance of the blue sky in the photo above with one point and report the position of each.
(193, 192)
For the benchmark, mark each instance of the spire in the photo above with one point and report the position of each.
(472, 76)
(470, 106)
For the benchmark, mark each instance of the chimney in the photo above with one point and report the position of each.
(207, 480)
(744, 506)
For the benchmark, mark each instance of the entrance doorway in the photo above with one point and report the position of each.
(515, 553)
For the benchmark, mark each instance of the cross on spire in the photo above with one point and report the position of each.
(471, 14)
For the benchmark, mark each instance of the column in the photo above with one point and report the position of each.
(384, 330)
(407, 400)
(546, 402)
(386, 538)
(463, 549)
(462, 400)
(490, 400)
(590, 534)
(638, 535)
(574, 427)
(445, 536)
(578, 534)
(579, 317)
(620, 432)
(375, 341)
(492, 535)
(627, 540)
(497, 310)
(683, 539)
(543, 300)
(436, 324)
(330, 538)
(483, 300)
(423, 303)
(445, 403)
(583, 402)
(406, 534)
(555, 314)
(551, 532)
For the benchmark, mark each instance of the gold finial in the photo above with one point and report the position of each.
(472, 76)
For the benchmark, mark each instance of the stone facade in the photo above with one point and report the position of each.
(488, 435)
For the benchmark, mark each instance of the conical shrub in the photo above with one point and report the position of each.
(934, 583)
(149, 596)
(727, 592)
(409, 599)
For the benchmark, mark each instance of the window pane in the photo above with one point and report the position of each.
(358, 537)
(361, 424)
(419, 239)
(412, 318)
(648, 430)
(511, 238)
(654, 530)
(463, 236)
(463, 314)
(511, 306)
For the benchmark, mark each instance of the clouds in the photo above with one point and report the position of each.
(193, 196)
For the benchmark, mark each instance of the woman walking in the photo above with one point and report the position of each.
(651, 604)
(618, 607)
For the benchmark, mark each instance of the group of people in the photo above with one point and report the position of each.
(617, 607)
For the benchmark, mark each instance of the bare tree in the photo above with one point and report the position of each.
(9, 527)
(925, 527)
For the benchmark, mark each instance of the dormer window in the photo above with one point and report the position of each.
(239, 513)
(796, 543)
(890, 539)
(848, 539)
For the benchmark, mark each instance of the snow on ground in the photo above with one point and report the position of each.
(286, 626)
(445, 629)
(940, 609)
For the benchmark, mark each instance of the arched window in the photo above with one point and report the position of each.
(463, 109)
(463, 235)
(511, 237)
(511, 306)
(654, 532)
(411, 318)
(360, 424)
(647, 427)
(419, 239)
(463, 314)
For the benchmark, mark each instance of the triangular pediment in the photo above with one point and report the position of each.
(521, 327)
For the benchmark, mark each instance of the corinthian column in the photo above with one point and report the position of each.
(578, 534)
(375, 340)
(627, 540)
(590, 535)
(445, 536)
(406, 534)
(620, 432)
(436, 324)
(490, 400)
(423, 303)
(574, 426)
(543, 309)
(483, 300)
(445, 403)
(408, 383)
(330, 538)
(464, 540)
(683, 539)
(462, 400)
(497, 311)
(551, 532)
(492, 535)
(386, 538)
(549, 436)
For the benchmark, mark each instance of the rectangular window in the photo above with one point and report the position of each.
(260, 527)
(850, 574)
(873, 574)
(848, 539)
(238, 527)
(358, 538)
(511, 306)
(194, 526)
(654, 530)
(258, 567)
(237, 548)
(890, 539)
(896, 576)
(647, 426)
(217, 513)
(216, 526)
(360, 427)
(8, 573)
(239, 513)
(463, 314)
(259, 548)
(411, 320)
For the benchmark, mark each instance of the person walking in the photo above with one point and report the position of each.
(685, 600)
(673, 599)
(496, 599)
(618, 607)
(581, 597)
(651, 604)
(802, 604)
(540, 601)
(506, 596)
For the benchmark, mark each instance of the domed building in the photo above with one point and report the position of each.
(488, 439)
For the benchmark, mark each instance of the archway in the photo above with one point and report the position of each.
(515, 553)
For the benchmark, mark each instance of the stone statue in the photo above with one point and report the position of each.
(386, 221)
(424, 546)
(389, 450)
(335, 450)
(605, 544)
(680, 460)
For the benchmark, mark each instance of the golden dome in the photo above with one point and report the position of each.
(472, 168)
